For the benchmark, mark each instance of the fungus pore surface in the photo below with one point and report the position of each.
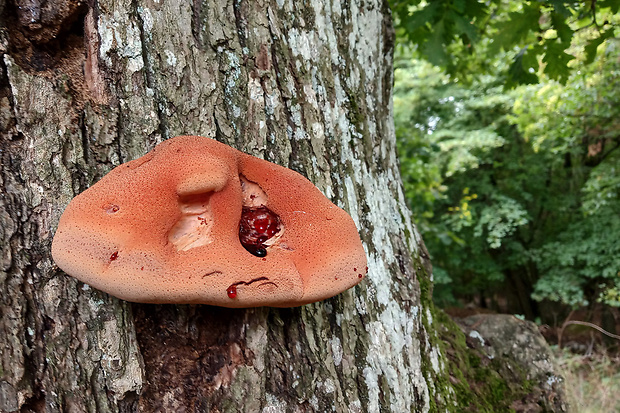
(196, 221)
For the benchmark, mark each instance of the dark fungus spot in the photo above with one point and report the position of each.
(112, 209)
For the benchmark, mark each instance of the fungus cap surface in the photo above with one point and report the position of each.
(165, 228)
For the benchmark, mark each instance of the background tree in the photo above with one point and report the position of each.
(516, 192)
(86, 86)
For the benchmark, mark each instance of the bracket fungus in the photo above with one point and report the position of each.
(196, 221)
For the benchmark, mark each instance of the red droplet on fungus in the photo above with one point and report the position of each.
(257, 226)
(232, 291)
(114, 256)
(359, 275)
(354, 269)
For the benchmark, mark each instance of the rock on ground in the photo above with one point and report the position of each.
(517, 351)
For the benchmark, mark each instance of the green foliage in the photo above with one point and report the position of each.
(500, 220)
(584, 256)
(518, 187)
(581, 122)
(462, 36)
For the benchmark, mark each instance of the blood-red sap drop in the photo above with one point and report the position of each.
(257, 226)
(112, 209)
(232, 291)
(114, 256)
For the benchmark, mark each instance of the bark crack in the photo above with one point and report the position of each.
(119, 129)
(295, 149)
(11, 89)
(85, 140)
(240, 23)
(196, 12)
(7, 91)
(149, 73)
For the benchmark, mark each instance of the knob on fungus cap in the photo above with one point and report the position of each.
(196, 221)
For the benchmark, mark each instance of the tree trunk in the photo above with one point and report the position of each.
(303, 84)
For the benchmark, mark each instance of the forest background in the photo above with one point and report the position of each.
(508, 124)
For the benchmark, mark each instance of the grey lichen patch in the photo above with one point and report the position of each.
(245, 391)
(211, 24)
(8, 397)
(123, 371)
(114, 31)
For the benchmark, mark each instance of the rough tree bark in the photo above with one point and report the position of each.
(306, 84)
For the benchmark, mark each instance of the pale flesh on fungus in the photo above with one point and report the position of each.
(196, 221)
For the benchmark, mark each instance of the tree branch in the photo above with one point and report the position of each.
(594, 326)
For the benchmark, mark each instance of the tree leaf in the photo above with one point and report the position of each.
(517, 28)
(464, 26)
(474, 9)
(565, 33)
(560, 7)
(421, 17)
(614, 5)
(593, 45)
(523, 69)
(459, 6)
(556, 60)
(434, 48)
